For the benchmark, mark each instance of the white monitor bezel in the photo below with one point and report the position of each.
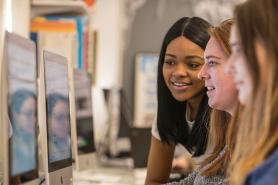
(54, 175)
(30, 177)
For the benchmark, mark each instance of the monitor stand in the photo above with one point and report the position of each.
(61, 177)
(86, 161)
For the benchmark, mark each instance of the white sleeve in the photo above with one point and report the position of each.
(155, 130)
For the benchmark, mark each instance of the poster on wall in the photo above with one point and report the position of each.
(145, 102)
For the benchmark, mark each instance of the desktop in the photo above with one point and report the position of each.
(85, 158)
(55, 127)
(21, 75)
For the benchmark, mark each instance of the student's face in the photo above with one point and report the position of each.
(238, 68)
(60, 120)
(26, 118)
(183, 61)
(220, 87)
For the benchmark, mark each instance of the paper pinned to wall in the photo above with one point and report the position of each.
(145, 106)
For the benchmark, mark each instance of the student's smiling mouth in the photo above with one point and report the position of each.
(177, 85)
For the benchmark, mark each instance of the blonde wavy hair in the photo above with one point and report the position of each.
(220, 121)
(257, 21)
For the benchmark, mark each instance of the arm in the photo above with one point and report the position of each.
(195, 178)
(159, 162)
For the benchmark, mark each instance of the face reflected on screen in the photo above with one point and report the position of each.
(60, 120)
(23, 111)
(26, 117)
(23, 141)
(58, 127)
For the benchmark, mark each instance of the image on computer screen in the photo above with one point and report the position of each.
(58, 127)
(22, 108)
(58, 112)
(85, 135)
(84, 117)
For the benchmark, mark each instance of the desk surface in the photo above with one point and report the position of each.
(102, 175)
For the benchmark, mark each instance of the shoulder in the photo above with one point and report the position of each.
(196, 179)
(266, 173)
(211, 180)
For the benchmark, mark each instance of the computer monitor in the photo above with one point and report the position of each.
(57, 126)
(85, 158)
(4, 145)
(21, 68)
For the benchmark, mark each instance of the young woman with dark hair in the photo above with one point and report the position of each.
(183, 112)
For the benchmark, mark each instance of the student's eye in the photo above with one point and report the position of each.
(211, 63)
(169, 62)
(194, 65)
(236, 50)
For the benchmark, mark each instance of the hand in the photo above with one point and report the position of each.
(182, 164)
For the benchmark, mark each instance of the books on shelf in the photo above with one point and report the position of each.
(65, 35)
(55, 36)
(89, 3)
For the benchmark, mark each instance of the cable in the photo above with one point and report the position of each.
(42, 181)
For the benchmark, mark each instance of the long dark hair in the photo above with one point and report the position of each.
(171, 121)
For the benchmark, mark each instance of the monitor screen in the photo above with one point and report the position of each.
(85, 135)
(84, 117)
(20, 56)
(58, 111)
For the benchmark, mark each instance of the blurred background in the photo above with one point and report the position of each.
(117, 42)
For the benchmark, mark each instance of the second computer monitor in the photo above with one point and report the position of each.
(84, 120)
(58, 119)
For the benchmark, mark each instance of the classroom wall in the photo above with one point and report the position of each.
(106, 21)
(1, 31)
(21, 9)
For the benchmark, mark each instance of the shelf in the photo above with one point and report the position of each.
(44, 7)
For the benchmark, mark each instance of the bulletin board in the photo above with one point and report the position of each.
(145, 102)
